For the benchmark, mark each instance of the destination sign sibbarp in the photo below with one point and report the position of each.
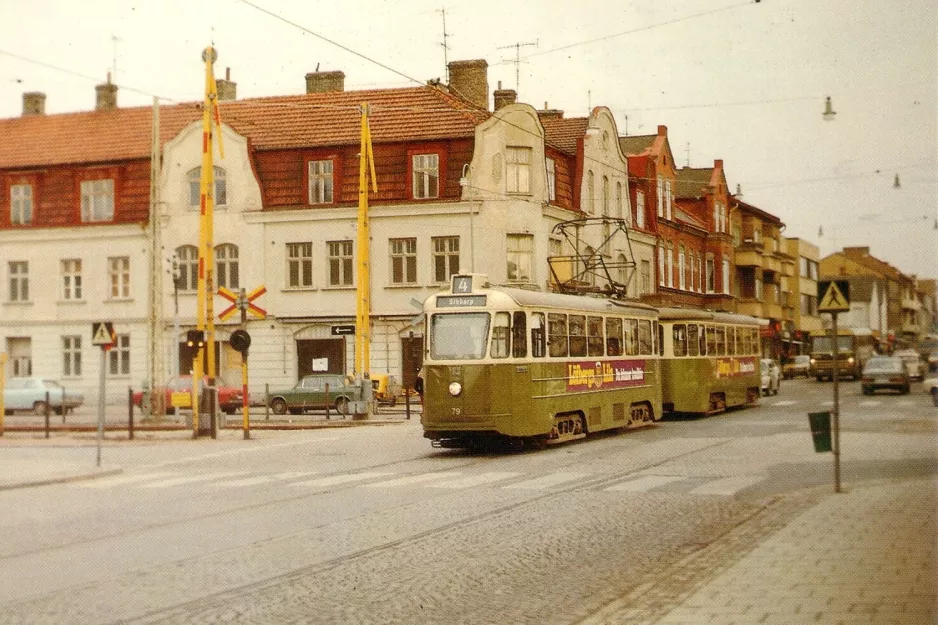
(459, 301)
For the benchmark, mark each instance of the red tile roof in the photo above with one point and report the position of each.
(563, 133)
(397, 115)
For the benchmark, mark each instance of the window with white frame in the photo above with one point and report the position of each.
(426, 172)
(321, 182)
(97, 200)
(194, 178)
(340, 263)
(660, 196)
(640, 209)
(726, 275)
(445, 258)
(403, 260)
(661, 265)
(19, 281)
(71, 356)
(646, 278)
(187, 264)
(682, 282)
(667, 199)
(711, 276)
(520, 257)
(118, 269)
(21, 204)
(670, 264)
(605, 196)
(119, 356)
(226, 266)
(518, 169)
(299, 265)
(551, 179)
(71, 279)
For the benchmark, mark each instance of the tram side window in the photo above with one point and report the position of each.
(693, 346)
(594, 336)
(731, 341)
(753, 341)
(538, 344)
(711, 341)
(657, 332)
(557, 334)
(679, 336)
(721, 340)
(613, 336)
(631, 337)
(501, 335)
(577, 335)
(519, 342)
(645, 341)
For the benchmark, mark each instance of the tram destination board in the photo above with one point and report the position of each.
(459, 301)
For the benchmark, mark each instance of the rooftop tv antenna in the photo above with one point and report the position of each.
(445, 44)
(114, 40)
(517, 60)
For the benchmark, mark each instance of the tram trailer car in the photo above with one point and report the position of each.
(535, 367)
(709, 362)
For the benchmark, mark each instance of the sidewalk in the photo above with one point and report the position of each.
(866, 556)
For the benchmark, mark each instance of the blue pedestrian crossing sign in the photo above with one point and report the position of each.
(833, 296)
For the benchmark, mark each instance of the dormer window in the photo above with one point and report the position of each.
(21, 204)
(426, 176)
(97, 200)
(518, 164)
(195, 187)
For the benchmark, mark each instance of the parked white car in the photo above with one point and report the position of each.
(913, 362)
(771, 376)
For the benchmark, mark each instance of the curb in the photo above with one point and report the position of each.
(62, 478)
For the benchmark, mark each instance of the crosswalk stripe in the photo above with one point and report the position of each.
(121, 480)
(262, 479)
(869, 403)
(335, 480)
(476, 480)
(785, 402)
(727, 486)
(413, 479)
(645, 483)
(547, 481)
(187, 479)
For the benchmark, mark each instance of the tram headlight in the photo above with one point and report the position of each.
(455, 388)
(850, 360)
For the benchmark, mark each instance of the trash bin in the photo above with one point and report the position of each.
(820, 430)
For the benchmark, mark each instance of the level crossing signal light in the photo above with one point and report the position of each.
(240, 341)
(195, 338)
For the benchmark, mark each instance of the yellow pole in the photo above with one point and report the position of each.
(366, 165)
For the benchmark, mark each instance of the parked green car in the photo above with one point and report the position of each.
(315, 392)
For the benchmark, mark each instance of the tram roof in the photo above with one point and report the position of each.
(697, 314)
(542, 299)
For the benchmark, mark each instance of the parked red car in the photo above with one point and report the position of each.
(229, 397)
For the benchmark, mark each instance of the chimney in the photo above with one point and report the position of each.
(504, 97)
(106, 96)
(325, 82)
(470, 80)
(227, 90)
(34, 103)
(549, 113)
(662, 131)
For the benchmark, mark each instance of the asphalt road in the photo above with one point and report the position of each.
(372, 525)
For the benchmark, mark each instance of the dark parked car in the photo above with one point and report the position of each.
(315, 392)
(30, 394)
(885, 372)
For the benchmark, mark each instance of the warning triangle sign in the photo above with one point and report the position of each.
(101, 334)
(835, 297)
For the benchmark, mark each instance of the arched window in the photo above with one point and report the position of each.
(682, 282)
(187, 267)
(226, 266)
(195, 187)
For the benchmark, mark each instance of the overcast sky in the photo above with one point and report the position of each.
(737, 80)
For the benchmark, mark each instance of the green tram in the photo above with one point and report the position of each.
(535, 367)
(710, 360)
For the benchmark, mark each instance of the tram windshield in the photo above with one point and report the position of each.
(824, 344)
(459, 336)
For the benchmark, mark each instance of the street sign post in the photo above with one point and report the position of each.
(102, 335)
(833, 297)
(240, 339)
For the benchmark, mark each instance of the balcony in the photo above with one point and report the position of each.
(772, 311)
(771, 263)
(910, 303)
(750, 307)
(748, 254)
